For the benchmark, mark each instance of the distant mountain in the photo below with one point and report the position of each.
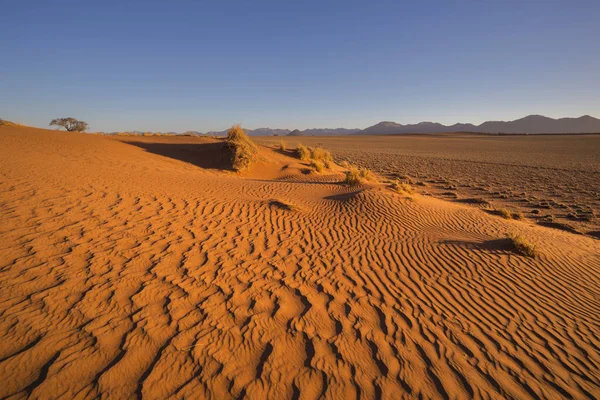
(286, 132)
(530, 124)
(255, 132)
(541, 124)
(329, 132)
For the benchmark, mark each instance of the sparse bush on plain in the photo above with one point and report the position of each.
(521, 245)
(282, 145)
(70, 124)
(243, 150)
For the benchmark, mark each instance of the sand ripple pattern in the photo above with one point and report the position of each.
(206, 290)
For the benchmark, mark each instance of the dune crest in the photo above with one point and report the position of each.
(148, 270)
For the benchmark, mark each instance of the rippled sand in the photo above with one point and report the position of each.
(140, 268)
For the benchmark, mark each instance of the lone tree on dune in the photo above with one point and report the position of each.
(70, 124)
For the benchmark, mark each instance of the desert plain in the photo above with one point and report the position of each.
(143, 267)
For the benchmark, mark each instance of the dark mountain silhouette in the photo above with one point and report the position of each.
(530, 124)
(286, 132)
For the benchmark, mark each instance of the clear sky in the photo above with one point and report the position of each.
(204, 65)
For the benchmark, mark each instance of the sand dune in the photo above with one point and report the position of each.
(147, 270)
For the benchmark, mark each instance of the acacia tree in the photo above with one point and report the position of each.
(70, 124)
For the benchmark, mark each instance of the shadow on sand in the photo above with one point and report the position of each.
(203, 155)
(500, 245)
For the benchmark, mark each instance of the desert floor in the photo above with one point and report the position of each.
(553, 180)
(140, 267)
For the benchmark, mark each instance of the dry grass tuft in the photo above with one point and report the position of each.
(282, 145)
(320, 154)
(317, 165)
(402, 187)
(507, 214)
(504, 213)
(243, 150)
(356, 176)
(304, 152)
(521, 245)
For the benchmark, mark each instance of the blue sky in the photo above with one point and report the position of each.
(194, 65)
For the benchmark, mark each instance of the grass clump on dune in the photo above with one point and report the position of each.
(317, 154)
(402, 187)
(507, 214)
(356, 176)
(304, 152)
(317, 165)
(504, 213)
(282, 145)
(521, 245)
(243, 150)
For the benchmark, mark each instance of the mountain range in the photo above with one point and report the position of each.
(532, 124)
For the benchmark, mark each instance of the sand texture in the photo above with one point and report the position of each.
(553, 180)
(141, 267)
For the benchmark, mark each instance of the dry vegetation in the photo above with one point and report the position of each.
(402, 187)
(241, 148)
(541, 178)
(522, 245)
(357, 176)
(317, 165)
(318, 158)
(303, 152)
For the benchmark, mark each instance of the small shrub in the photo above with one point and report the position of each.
(521, 245)
(352, 176)
(402, 187)
(518, 216)
(327, 164)
(504, 213)
(366, 174)
(304, 152)
(317, 165)
(282, 145)
(243, 150)
(355, 176)
(319, 153)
